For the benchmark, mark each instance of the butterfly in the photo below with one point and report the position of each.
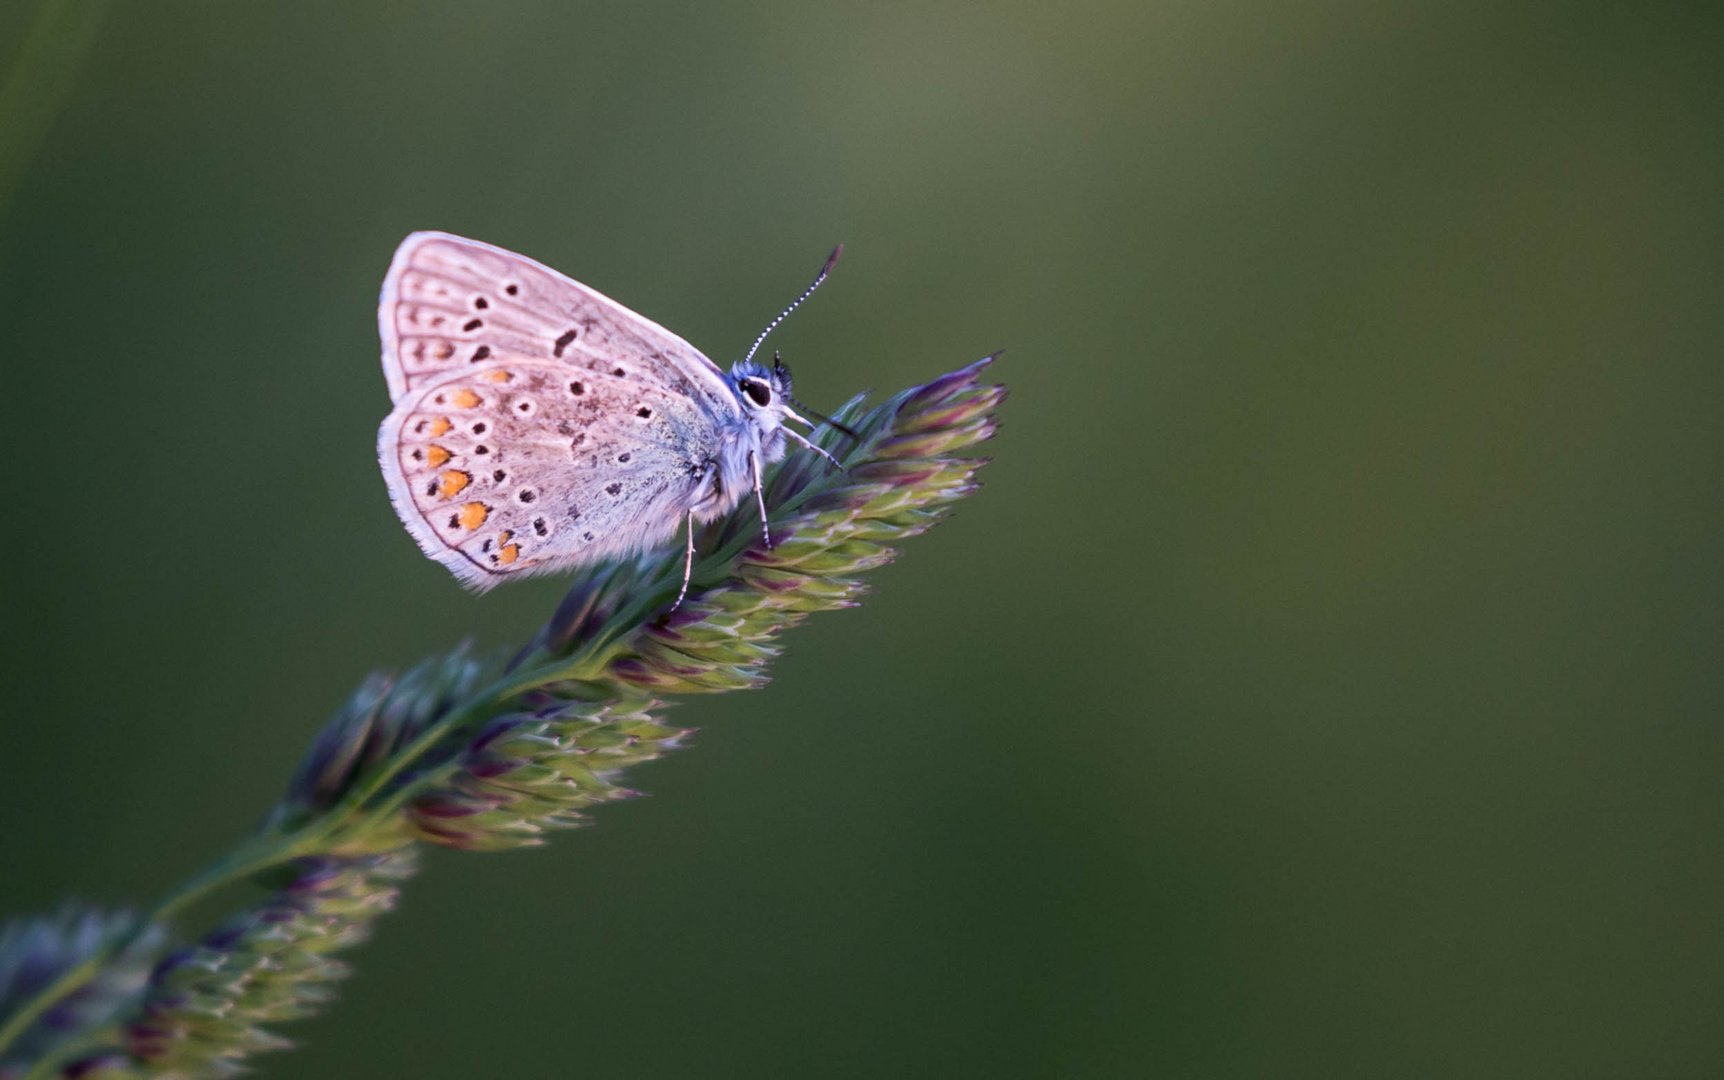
(539, 425)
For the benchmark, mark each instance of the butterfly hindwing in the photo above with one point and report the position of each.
(527, 466)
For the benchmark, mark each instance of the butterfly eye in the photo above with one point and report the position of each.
(757, 391)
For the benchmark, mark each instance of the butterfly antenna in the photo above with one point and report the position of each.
(831, 261)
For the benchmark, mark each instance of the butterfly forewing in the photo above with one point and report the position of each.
(527, 467)
(449, 303)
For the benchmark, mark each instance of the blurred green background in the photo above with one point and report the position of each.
(1325, 683)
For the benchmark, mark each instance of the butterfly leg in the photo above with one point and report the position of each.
(836, 464)
(687, 563)
(759, 496)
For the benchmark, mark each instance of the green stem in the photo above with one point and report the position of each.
(502, 691)
(366, 815)
(272, 849)
(498, 693)
(27, 1014)
(368, 803)
(64, 1054)
(255, 855)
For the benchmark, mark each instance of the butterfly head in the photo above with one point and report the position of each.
(763, 392)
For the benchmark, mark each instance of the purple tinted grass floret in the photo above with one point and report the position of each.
(483, 754)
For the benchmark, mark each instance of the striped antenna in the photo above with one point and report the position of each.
(831, 261)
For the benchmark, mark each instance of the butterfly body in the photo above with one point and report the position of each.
(538, 425)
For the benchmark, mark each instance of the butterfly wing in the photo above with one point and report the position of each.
(522, 467)
(449, 303)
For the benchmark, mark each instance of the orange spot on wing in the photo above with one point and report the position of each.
(453, 481)
(465, 398)
(439, 426)
(435, 456)
(473, 515)
(509, 554)
(498, 376)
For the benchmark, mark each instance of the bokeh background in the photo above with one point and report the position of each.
(1325, 684)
